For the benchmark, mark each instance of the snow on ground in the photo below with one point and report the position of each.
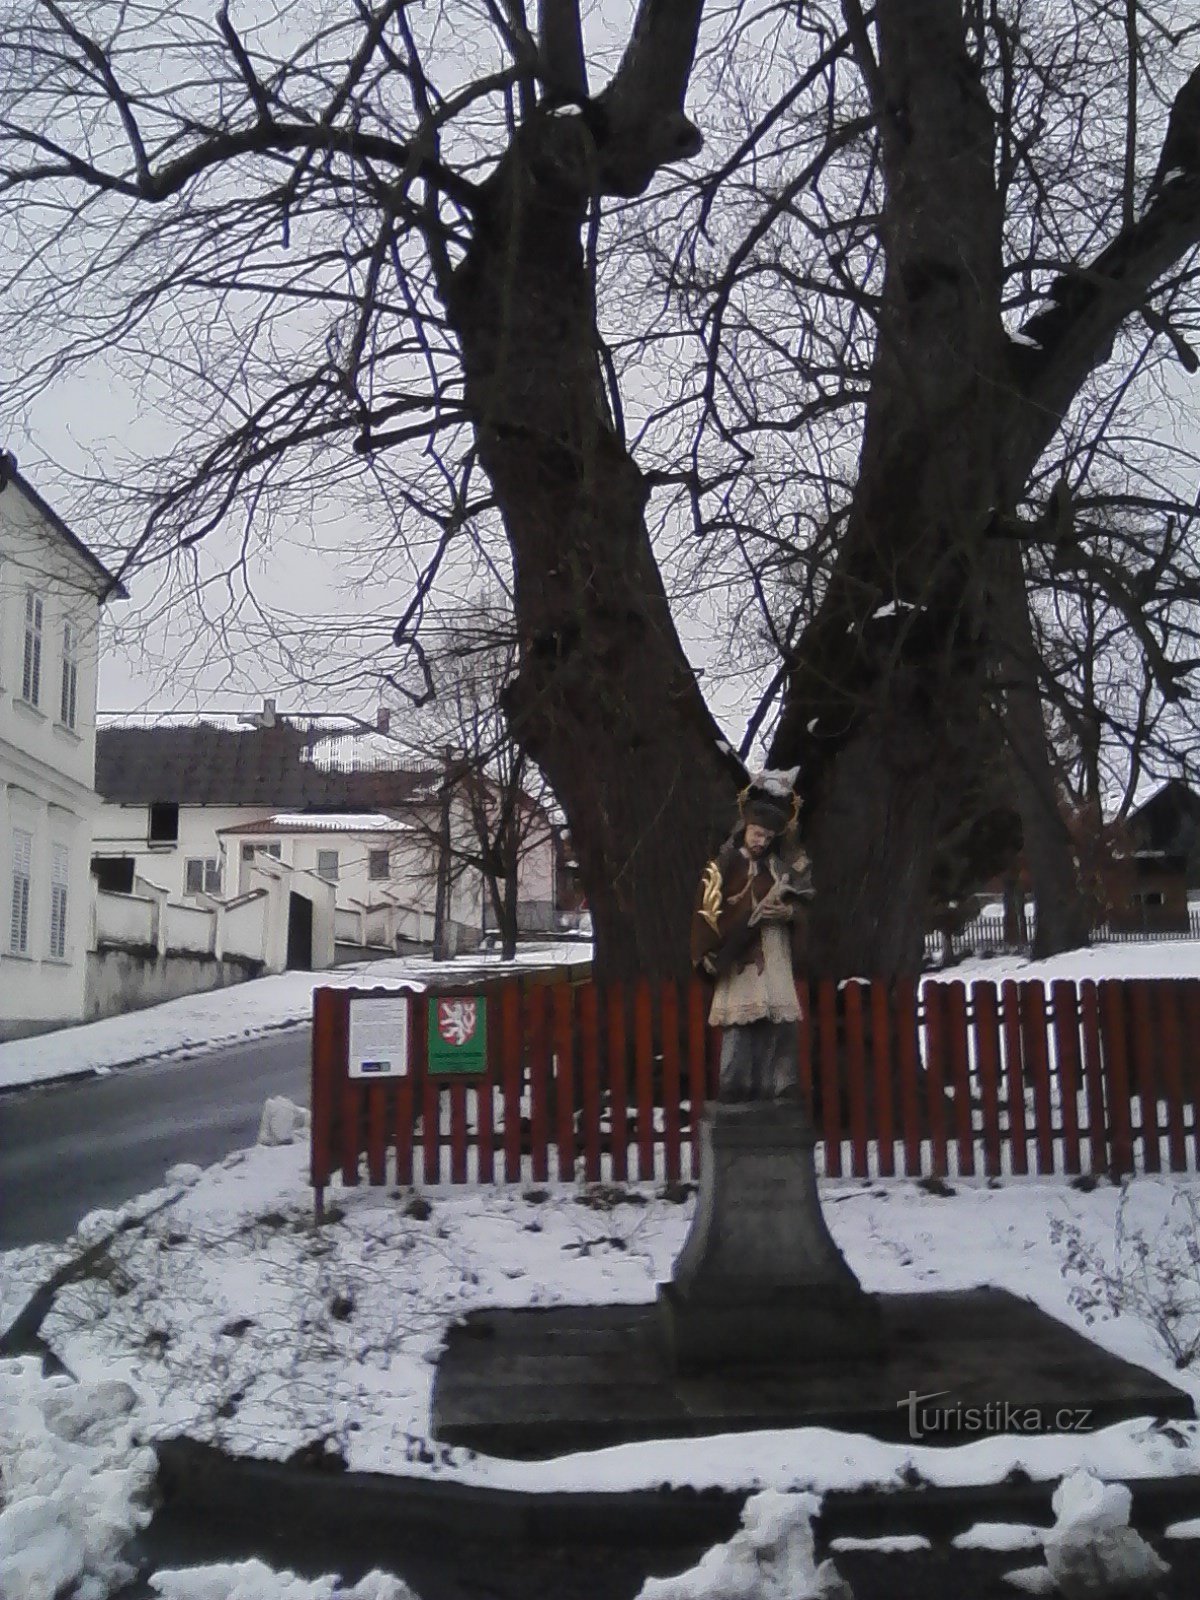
(1152, 958)
(74, 1484)
(253, 1580)
(1000, 1536)
(201, 1022)
(238, 1320)
(770, 1557)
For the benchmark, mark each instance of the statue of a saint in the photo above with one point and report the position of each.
(749, 934)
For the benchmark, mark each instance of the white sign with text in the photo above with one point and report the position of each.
(379, 1037)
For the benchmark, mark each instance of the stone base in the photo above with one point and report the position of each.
(760, 1282)
(780, 1331)
(544, 1382)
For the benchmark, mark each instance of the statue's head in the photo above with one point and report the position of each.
(768, 805)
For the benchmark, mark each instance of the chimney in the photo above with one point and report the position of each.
(267, 720)
(383, 720)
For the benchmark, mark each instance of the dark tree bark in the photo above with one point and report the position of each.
(1064, 919)
(882, 707)
(927, 600)
(508, 911)
(604, 699)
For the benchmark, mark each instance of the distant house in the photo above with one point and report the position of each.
(195, 803)
(379, 867)
(51, 591)
(1150, 877)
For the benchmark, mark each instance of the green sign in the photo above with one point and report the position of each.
(457, 1034)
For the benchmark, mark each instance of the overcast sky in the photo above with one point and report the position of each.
(90, 422)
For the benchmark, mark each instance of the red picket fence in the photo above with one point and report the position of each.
(607, 1084)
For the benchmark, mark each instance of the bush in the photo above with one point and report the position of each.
(1154, 1273)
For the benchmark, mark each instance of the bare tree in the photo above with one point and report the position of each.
(497, 803)
(932, 306)
(394, 232)
(372, 227)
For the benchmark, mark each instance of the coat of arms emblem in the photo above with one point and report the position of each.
(456, 1021)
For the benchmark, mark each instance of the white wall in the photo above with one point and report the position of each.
(125, 919)
(34, 555)
(46, 768)
(121, 980)
(125, 830)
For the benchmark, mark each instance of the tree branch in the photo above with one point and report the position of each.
(560, 48)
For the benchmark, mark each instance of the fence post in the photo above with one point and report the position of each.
(1116, 1075)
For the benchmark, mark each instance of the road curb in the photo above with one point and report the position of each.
(156, 1058)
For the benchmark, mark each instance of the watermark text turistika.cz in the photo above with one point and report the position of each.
(926, 1417)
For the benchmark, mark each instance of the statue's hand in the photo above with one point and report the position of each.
(772, 910)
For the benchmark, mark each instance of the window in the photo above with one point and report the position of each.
(202, 875)
(271, 848)
(113, 874)
(22, 866)
(70, 675)
(31, 676)
(1148, 897)
(164, 822)
(379, 864)
(327, 865)
(59, 866)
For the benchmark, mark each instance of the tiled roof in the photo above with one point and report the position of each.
(326, 822)
(205, 763)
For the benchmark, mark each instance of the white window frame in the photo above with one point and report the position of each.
(60, 870)
(210, 874)
(272, 848)
(22, 883)
(69, 695)
(31, 670)
(323, 872)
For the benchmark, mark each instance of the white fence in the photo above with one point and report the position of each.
(245, 925)
(190, 930)
(125, 919)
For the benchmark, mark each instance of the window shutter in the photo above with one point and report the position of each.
(22, 866)
(59, 868)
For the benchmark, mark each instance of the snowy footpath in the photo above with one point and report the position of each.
(203, 1022)
(229, 1316)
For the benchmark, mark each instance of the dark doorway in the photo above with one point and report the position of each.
(300, 918)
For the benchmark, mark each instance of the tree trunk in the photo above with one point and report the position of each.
(1016, 932)
(1063, 916)
(508, 921)
(882, 707)
(604, 699)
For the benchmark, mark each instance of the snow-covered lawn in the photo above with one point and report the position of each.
(237, 1320)
(1152, 958)
(233, 1318)
(229, 1016)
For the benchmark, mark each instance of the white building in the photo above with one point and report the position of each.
(192, 802)
(51, 590)
(379, 866)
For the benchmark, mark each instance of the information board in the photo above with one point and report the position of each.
(379, 1036)
(457, 1034)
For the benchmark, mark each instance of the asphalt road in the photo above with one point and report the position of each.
(68, 1148)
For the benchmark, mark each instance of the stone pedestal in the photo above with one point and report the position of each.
(760, 1282)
